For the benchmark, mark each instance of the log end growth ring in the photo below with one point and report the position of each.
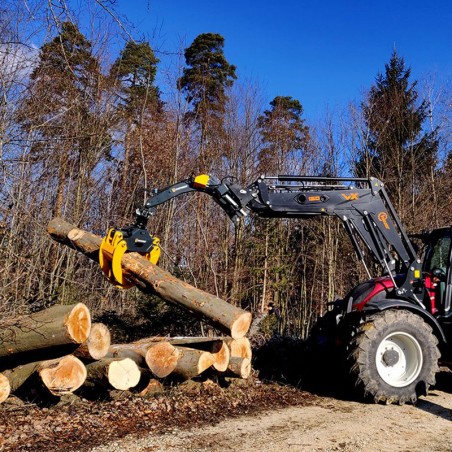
(241, 325)
(99, 341)
(78, 323)
(162, 358)
(64, 376)
(123, 374)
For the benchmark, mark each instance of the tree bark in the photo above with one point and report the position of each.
(150, 278)
(192, 362)
(58, 325)
(5, 388)
(160, 357)
(121, 374)
(97, 345)
(60, 376)
(152, 388)
(217, 346)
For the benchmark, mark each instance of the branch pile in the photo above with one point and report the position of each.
(58, 350)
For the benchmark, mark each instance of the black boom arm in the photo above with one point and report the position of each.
(361, 204)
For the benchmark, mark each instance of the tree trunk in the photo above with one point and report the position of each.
(160, 357)
(61, 376)
(239, 367)
(192, 362)
(5, 388)
(216, 346)
(121, 374)
(150, 278)
(97, 345)
(58, 325)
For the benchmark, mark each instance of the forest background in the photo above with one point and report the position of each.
(86, 134)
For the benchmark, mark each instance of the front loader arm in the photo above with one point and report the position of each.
(361, 204)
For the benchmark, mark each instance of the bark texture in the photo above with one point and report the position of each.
(150, 278)
(121, 374)
(58, 325)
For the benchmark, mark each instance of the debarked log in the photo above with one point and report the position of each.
(152, 279)
(52, 327)
(60, 376)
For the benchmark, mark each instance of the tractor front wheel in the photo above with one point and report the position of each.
(393, 358)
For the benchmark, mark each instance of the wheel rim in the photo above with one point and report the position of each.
(399, 359)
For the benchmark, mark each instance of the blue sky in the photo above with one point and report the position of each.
(323, 53)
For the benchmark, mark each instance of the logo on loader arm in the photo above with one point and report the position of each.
(351, 196)
(383, 217)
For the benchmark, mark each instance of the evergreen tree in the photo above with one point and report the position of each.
(62, 114)
(204, 82)
(397, 149)
(284, 134)
(136, 69)
(139, 109)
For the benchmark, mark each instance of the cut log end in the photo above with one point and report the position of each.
(221, 353)
(63, 376)
(78, 323)
(241, 325)
(240, 348)
(240, 367)
(124, 374)
(162, 358)
(99, 341)
(5, 388)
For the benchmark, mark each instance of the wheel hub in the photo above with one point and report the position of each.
(390, 357)
(399, 359)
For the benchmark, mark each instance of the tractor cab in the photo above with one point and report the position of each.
(436, 269)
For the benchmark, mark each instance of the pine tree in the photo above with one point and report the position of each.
(284, 134)
(136, 69)
(397, 149)
(204, 82)
(138, 107)
(62, 114)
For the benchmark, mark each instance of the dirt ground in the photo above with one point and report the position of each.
(329, 425)
(250, 416)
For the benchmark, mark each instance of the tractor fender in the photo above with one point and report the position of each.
(383, 305)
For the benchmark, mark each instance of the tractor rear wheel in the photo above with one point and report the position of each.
(393, 357)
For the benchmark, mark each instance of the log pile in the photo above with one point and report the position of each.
(59, 350)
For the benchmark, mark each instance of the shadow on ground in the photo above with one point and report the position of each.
(286, 360)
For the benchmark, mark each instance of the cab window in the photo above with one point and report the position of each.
(438, 252)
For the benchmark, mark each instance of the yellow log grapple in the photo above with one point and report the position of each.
(116, 243)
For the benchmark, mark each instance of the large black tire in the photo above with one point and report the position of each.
(393, 357)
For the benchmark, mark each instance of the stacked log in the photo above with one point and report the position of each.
(58, 349)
